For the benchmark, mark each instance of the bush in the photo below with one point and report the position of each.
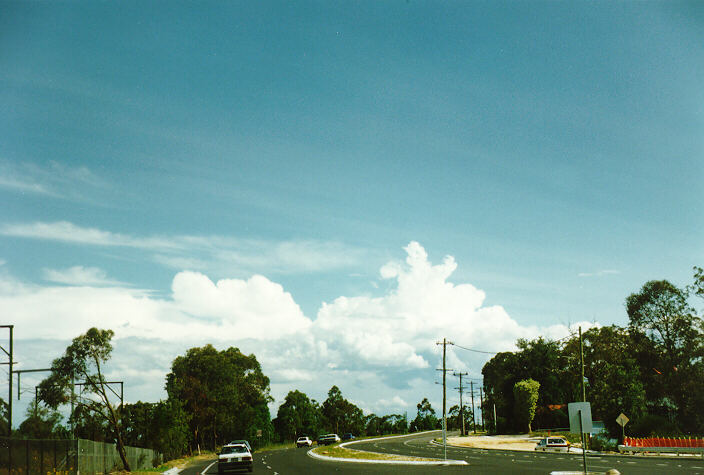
(603, 443)
(652, 425)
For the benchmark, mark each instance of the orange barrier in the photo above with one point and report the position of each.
(680, 442)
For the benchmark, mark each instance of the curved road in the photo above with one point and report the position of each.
(480, 461)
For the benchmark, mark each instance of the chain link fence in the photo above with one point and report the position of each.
(68, 457)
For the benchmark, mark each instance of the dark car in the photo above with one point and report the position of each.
(347, 436)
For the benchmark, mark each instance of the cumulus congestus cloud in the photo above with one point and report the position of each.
(386, 342)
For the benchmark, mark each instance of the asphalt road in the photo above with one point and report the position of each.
(480, 461)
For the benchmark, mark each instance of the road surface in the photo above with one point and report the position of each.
(480, 461)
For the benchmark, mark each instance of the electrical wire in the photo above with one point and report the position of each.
(477, 351)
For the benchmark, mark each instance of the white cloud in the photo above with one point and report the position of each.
(17, 184)
(54, 179)
(600, 273)
(380, 349)
(79, 275)
(217, 254)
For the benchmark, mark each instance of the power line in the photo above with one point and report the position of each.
(477, 351)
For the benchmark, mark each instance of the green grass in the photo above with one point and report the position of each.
(345, 453)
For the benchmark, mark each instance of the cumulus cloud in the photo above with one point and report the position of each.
(400, 328)
(379, 349)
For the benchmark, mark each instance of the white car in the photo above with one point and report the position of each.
(303, 441)
(234, 457)
(553, 444)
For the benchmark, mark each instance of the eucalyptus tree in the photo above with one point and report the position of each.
(84, 361)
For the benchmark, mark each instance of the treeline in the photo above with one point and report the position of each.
(213, 397)
(652, 370)
(301, 416)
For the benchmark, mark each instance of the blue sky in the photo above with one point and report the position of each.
(553, 149)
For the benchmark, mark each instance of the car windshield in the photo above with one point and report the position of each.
(234, 449)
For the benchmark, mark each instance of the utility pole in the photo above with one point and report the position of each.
(474, 421)
(10, 354)
(461, 388)
(444, 393)
(581, 359)
(481, 407)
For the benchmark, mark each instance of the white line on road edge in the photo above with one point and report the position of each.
(172, 471)
(394, 462)
(208, 468)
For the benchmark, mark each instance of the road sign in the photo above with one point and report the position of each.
(577, 409)
(622, 420)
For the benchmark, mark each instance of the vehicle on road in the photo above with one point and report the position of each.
(235, 457)
(303, 441)
(553, 444)
(242, 441)
(328, 439)
(347, 436)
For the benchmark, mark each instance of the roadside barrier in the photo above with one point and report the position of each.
(678, 445)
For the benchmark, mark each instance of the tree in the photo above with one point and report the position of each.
(340, 415)
(525, 394)
(425, 417)
(297, 416)
(84, 360)
(333, 409)
(42, 423)
(611, 368)
(660, 312)
(669, 344)
(224, 393)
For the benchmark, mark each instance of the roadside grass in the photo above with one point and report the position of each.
(277, 446)
(342, 452)
(179, 462)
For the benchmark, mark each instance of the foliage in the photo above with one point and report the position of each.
(83, 361)
(162, 426)
(603, 443)
(340, 415)
(42, 423)
(224, 393)
(297, 416)
(609, 365)
(669, 345)
(389, 424)
(425, 417)
(525, 394)
(454, 418)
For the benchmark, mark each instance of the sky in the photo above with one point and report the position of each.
(337, 186)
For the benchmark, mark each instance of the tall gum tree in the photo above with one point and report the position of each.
(83, 361)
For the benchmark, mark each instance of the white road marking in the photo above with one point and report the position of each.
(208, 468)
(268, 467)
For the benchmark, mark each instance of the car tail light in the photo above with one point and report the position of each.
(246, 458)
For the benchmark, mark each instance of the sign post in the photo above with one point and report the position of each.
(580, 414)
(622, 420)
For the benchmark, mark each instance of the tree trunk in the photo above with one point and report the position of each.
(123, 454)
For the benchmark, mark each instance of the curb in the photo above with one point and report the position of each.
(172, 471)
(310, 453)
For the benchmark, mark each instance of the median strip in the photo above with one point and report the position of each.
(340, 453)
